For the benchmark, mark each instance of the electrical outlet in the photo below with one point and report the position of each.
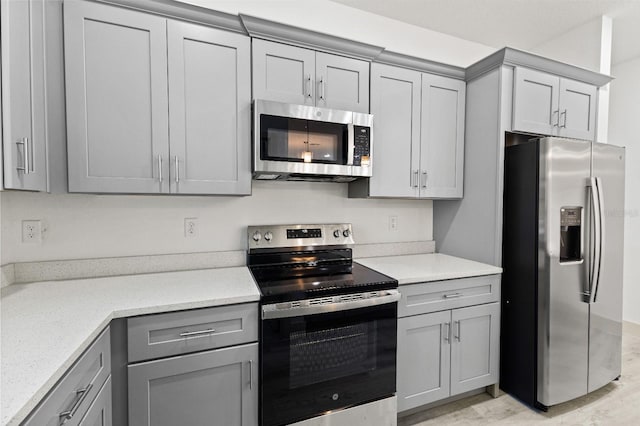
(31, 231)
(191, 227)
(393, 223)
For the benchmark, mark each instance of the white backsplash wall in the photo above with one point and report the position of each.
(89, 226)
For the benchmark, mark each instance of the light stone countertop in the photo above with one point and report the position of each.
(46, 326)
(419, 268)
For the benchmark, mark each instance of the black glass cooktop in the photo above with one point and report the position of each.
(279, 285)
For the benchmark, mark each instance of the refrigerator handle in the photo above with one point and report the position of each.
(600, 235)
(594, 261)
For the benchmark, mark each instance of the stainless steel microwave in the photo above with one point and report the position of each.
(299, 142)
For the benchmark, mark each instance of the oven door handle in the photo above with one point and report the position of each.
(339, 303)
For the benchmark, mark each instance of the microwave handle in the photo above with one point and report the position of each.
(350, 144)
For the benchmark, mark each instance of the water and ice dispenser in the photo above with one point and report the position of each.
(570, 234)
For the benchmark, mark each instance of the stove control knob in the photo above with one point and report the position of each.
(336, 233)
(257, 236)
(268, 236)
(346, 233)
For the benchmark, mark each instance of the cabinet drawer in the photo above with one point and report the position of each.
(439, 295)
(157, 336)
(99, 414)
(77, 388)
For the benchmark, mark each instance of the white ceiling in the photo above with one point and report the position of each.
(522, 24)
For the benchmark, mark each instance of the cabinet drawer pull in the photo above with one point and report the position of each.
(250, 374)
(447, 333)
(197, 333)
(557, 114)
(452, 295)
(424, 179)
(564, 122)
(81, 394)
(322, 89)
(177, 169)
(414, 179)
(160, 168)
(26, 157)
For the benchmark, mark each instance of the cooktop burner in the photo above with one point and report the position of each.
(296, 262)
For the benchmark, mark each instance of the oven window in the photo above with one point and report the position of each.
(328, 354)
(315, 363)
(296, 140)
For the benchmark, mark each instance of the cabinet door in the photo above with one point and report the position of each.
(342, 83)
(23, 95)
(99, 413)
(283, 73)
(117, 107)
(423, 359)
(577, 110)
(535, 102)
(475, 347)
(395, 104)
(209, 110)
(216, 388)
(442, 137)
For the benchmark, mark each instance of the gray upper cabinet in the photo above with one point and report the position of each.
(577, 106)
(342, 83)
(290, 74)
(283, 73)
(24, 142)
(395, 105)
(209, 110)
(155, 105)
(442, 137)
(418, 130)
(116, 82)
(475, 347)
(207, 388)
(546, 104)
(423, 359)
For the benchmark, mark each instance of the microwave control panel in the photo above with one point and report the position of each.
(362, 145)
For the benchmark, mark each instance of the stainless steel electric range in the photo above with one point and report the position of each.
(328, 328)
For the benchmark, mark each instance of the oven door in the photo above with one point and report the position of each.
(327, 359)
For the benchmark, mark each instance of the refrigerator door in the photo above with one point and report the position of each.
(563, 315)
(605, 332)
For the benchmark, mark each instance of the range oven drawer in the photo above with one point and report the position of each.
(436, 296)
(176, 333)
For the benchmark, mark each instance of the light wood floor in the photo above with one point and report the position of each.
(618, 403)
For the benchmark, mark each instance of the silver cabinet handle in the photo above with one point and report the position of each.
(322, 88)
(447, 337)
(564, 122)
(250, 374)
(308, 85)
(457, 336)
(424, 179)
(197, 333)
(177, 169)
(414, 181)
(160, 168)
(81, 394)
(557, 114)
(26, 157)
(452, 295)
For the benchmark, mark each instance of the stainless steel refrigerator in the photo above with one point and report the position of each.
(563, 222)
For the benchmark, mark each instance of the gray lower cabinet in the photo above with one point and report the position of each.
(99, 413)
(155, 105)
(419, 135)
(24, 145)
(84, 392)
(217, 388)
(546, 104)
(447, 352)
(296, 75)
